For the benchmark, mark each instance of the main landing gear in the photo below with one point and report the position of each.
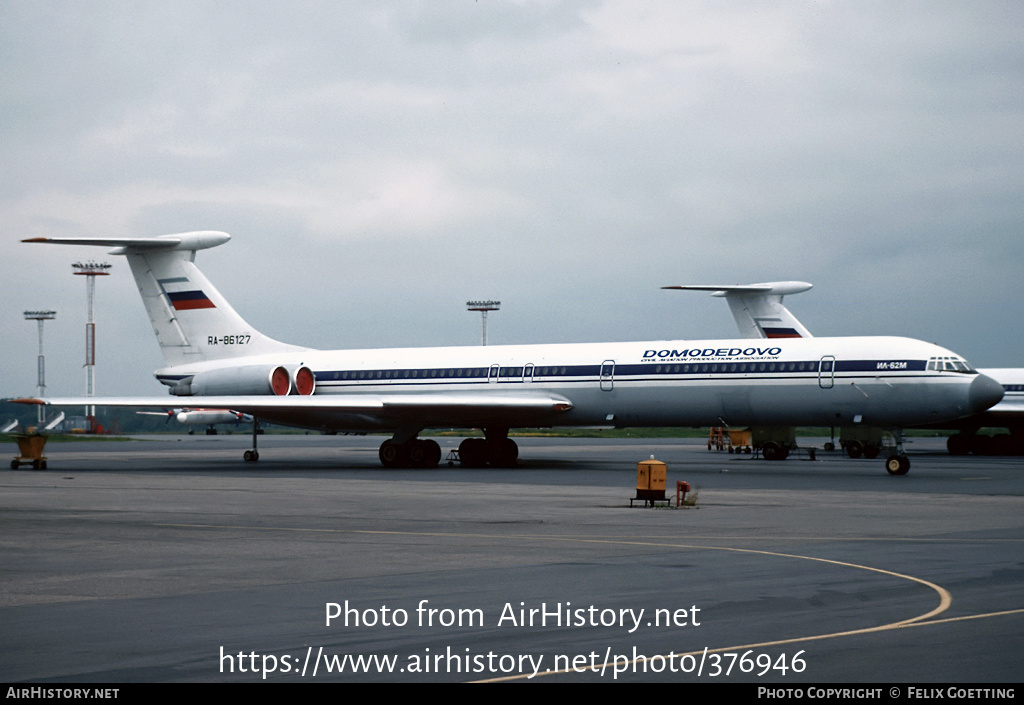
(496, 449)
(413, 453)
(499, 452)
(970, 441)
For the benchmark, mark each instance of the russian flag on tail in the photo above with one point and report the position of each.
(188, 300)
(780, 332)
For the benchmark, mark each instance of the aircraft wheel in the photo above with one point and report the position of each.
(432, 456)
(473, 452)
(958, 444)
(830, 445)
(424, 454)
(393, 455)
(981, 444)
(1002, 444)
(503, 452)
(897, 465)
(417, 452)
(251, 455)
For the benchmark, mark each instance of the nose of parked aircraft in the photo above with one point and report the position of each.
(984, 393)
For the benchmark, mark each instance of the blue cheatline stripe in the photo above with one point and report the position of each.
(622, 371)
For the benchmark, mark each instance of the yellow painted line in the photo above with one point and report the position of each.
(966, 617)
(795, 640)
(945, 599)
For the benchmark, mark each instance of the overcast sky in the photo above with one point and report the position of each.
(379, 163)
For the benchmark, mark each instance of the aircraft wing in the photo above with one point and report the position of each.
(345, 411)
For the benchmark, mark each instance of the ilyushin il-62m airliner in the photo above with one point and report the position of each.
(215, 359)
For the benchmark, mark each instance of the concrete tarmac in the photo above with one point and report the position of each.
(169, 559)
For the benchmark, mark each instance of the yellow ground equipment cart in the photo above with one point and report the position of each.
(30, 450)
(739, 441)
(717, 438)
(727, 439)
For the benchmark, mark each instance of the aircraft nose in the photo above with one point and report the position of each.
(985, 392)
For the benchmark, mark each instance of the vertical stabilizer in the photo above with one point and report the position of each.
(758, 308)
(193, 322)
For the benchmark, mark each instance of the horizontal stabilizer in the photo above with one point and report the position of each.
(198, 240)
(758, 308)
(776, 288)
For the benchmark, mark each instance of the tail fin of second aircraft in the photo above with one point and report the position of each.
(758, 308)
(193, 322)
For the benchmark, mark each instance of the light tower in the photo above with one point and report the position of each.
(41, 316)
(483, 307)
(90, 270)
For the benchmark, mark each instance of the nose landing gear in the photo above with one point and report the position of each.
(898, 463)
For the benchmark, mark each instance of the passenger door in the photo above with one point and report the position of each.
(826, 372)
(607, 377)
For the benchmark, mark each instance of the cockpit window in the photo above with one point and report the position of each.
(950, 364)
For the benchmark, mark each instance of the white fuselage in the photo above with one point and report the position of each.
(878, 381)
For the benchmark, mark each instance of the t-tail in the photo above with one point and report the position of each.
(758, 308)
(193, 322)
